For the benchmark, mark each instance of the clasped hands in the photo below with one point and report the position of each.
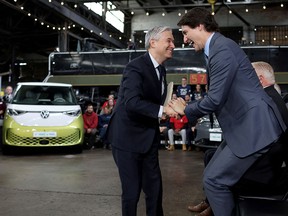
(175, 107)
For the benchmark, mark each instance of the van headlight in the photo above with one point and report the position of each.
(13, 112)
(73, 112)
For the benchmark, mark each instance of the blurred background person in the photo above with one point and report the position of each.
(184, 88)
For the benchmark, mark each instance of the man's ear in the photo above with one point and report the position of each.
(261, 78)
(152, 42)
(201, 27)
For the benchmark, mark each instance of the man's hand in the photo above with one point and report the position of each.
(167, 110)
(178, 105)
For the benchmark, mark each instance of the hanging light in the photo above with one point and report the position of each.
(212, 3)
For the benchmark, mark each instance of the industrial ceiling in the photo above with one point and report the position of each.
(39, 26)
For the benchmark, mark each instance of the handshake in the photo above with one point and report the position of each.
(174, 107)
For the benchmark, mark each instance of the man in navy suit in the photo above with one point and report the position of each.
(133, 130)
(249, 118)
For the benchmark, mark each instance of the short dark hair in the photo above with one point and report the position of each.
(197, 16)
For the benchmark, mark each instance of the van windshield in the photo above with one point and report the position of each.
(44, 95)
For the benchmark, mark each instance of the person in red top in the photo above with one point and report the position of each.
(178, 127)
(106, 103)
(90, 125)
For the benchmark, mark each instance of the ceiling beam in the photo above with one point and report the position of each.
(200, 4)
(54, 5)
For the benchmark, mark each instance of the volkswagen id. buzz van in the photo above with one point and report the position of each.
(43, 115)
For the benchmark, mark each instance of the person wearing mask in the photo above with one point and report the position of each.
(133, 129)
(240, 104)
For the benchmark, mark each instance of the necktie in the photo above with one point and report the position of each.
(161, 77)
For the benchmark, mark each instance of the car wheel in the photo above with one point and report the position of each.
(6, 150)
(77, 149)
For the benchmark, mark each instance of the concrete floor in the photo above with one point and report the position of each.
(88, 184)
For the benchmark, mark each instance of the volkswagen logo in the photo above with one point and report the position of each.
(44, 114)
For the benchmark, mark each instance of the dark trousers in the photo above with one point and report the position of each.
(91, 137)
(140, 172)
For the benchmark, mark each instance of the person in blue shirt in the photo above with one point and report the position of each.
(103, 124)
(183, 89)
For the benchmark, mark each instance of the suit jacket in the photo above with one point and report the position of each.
(248, 117)
(134, 122)
(271, 91)
(267, 176)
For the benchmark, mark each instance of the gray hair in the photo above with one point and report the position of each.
(266, 70)
(155, 33)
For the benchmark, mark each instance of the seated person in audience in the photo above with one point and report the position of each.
(205, 92)
(110, 97)
(90, 125)
(163, 127)
(110, 103)
(187, 99)
(197, 94)
(174, 96)
(262, 177)
(190, 131)
(178, 127)
(103, 124)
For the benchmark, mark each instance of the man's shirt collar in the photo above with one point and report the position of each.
(207, 44)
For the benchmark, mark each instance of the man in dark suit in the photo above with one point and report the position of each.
(133, 130)
(240, 104)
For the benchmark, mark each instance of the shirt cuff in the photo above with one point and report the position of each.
(160, 113)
